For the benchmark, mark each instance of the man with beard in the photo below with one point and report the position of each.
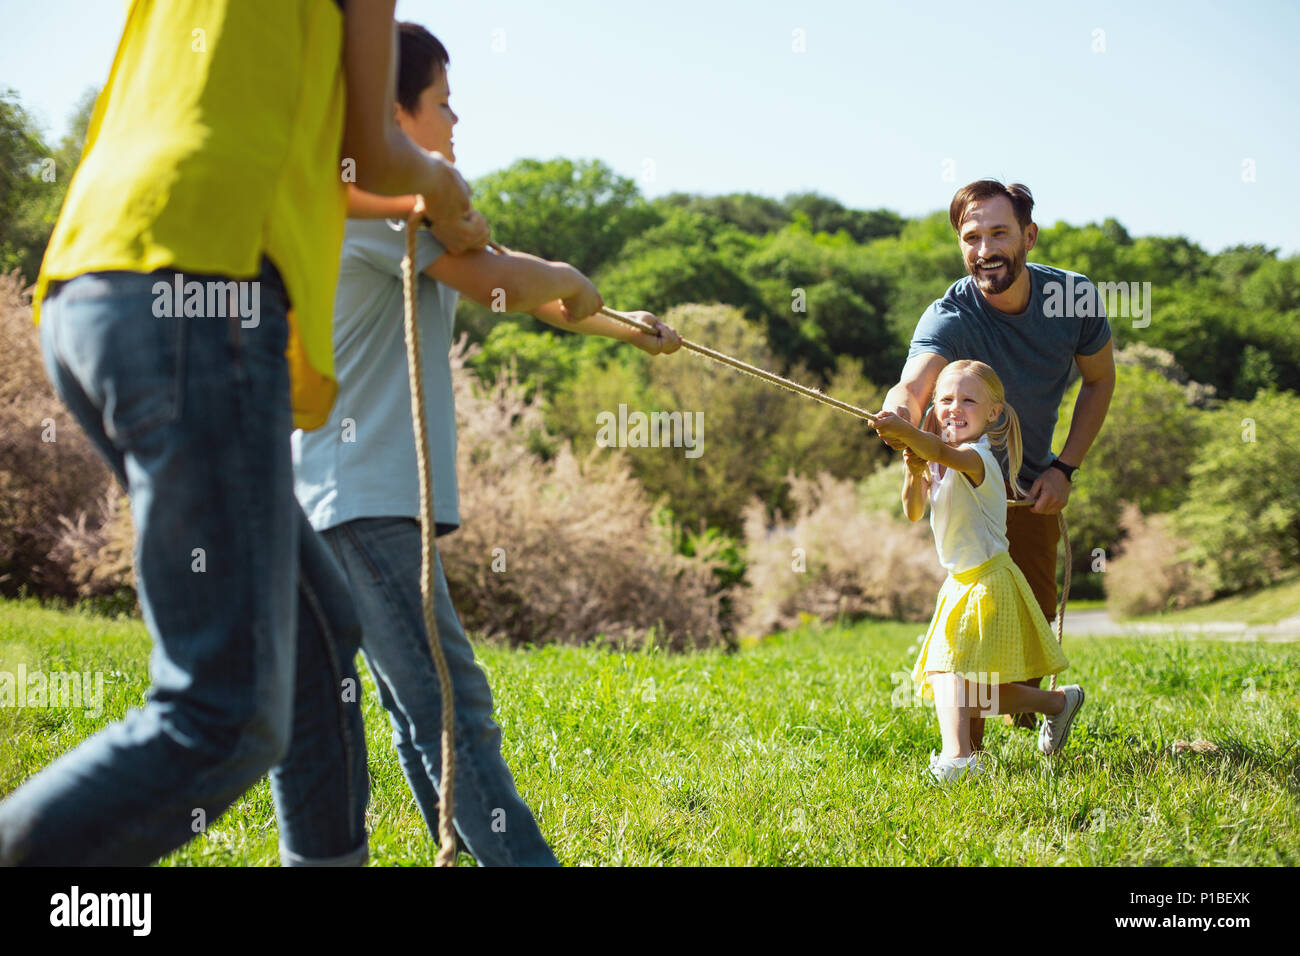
(1007, 313)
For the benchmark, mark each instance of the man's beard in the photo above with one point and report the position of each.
(1005, 279)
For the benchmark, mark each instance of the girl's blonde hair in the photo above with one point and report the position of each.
(1006, 435)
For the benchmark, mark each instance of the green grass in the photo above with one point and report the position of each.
(1266, 606)
(790, 752)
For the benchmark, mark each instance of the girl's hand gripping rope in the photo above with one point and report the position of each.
(891, 426)
(917, 465)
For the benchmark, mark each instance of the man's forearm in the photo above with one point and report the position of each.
(1086, 420)
(899, 399)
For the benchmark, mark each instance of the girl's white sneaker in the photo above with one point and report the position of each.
(949, 769)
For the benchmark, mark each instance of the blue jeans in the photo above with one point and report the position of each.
(382, 559)
(254, 633)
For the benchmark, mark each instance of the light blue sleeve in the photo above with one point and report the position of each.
(377, 244)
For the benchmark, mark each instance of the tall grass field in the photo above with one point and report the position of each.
(796, 750)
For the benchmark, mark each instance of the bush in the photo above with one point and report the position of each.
(834, 560)
(576, 212)
(564, 550)
(1243, 504)
(1151, 573)
(753, 432)
(1142, 455)
(49, 471)
(100, 558)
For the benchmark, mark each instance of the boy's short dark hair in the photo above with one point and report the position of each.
(420, 59)
(1022, 200)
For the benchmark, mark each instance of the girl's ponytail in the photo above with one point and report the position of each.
(1007, 435)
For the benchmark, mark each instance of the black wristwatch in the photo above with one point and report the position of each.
(1062, 466)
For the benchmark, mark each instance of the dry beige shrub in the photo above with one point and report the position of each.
(856, 562)
(99, 558)
(1150, 574)
(583, 557)
(41, 480)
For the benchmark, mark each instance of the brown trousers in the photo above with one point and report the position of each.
(1032, 541)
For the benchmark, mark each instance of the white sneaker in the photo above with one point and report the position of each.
(949, 769)
(1056, 728)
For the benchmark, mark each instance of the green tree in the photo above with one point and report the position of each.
(1273, 286)
(1235, 265)
(688, 258)
(24, 197)
(829, 215)
(576, 212)
(1142, 455)
(1089, 250)
(920, 263)
(824, 300)
(1243, 505)
(755, 215)
(33, 181)
(1219, 342)
(545, 358)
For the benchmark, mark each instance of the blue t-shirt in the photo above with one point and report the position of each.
(361, 463)
(1033, 352)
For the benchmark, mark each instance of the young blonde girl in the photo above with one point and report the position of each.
(988, 631)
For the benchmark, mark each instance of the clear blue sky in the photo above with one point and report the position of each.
(711, 97)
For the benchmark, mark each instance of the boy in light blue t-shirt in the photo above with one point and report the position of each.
(357, 481)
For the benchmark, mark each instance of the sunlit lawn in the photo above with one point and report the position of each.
(792, 751)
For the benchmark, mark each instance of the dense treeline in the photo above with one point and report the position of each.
(831, 295)
(1208, 348)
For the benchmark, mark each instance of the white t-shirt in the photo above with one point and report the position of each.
(969, 523)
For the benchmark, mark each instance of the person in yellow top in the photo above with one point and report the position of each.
(988, 632)
(185, 308)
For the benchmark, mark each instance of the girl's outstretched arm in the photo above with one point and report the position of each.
(929, 446)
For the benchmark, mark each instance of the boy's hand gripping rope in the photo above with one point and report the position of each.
(446, 833)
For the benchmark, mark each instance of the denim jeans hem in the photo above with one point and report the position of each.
(357, 857)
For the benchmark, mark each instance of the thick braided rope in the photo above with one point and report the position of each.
(1065, 590)
(446, 835)
(724, 359)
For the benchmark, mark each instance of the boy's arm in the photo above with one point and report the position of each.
(516, 282)
(554, 292)
(666, 341)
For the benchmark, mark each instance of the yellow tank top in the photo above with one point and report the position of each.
(214, 142)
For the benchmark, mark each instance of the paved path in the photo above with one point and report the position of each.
(1099, 623)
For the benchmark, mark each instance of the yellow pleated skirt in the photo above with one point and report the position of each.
(988, 627)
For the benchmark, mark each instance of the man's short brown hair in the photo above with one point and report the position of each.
(1022, 200)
